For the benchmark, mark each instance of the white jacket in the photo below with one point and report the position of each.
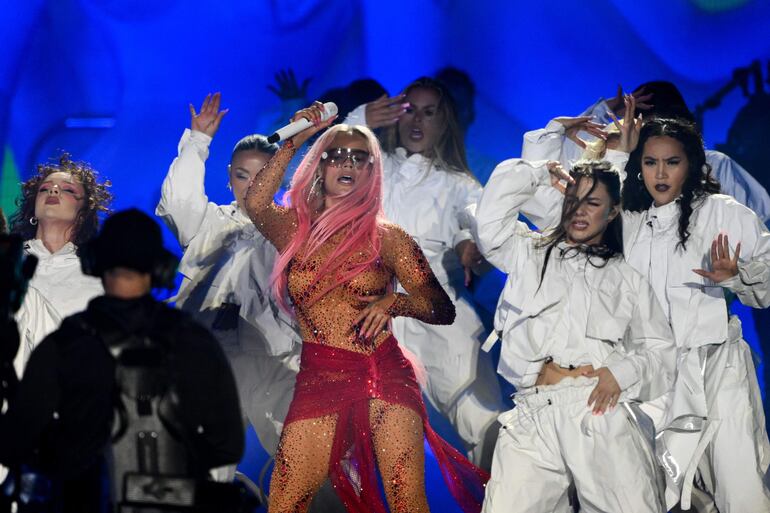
(430, 204)
(580, 314)
(550, 143)
(60, 280)
(695, 305)
(57, 290)
(226, 260)
(35, 319)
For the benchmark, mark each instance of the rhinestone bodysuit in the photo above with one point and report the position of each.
(357, 406)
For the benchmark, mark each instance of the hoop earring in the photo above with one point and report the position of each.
(33, 221)
(639, 176)
(315, 188)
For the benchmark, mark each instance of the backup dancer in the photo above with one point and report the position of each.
(699, 249)
(226, 270)
(58, 211)
(563, 139)
(583, 340)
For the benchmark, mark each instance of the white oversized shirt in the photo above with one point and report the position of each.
(695, 305)
(60, 279)
(35, 320)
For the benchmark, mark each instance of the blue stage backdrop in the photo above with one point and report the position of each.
(110, 80)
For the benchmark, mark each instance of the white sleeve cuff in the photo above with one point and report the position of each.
(734, 284)
(199, 137)
(625, 373)
(554, 126)
(461, 236)
(618, 159)
(541, 175)
(749, 274)
(357, 116)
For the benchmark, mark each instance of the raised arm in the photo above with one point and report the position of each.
(381, 112)
(501, 237)
(602, 113)
(278, 224)
(549, 143)
(183, 201)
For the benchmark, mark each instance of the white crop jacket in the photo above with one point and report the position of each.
(226, 260)
(580, 314)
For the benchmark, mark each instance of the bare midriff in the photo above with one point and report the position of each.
(551, 373)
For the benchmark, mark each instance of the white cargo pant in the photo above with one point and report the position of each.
(735, 462)
(266, 387)
(551, 439)
(730, 452)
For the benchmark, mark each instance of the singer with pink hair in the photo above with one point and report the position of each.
(357, 406)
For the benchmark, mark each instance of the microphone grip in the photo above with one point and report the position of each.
(289, 130)
(295, 127)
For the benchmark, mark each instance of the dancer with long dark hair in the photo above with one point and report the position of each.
(700, 248)
(583, 339)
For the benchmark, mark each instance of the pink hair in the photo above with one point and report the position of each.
(359, 212)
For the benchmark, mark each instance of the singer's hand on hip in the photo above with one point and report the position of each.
(385, 110)
(374, 317)
(208, 119)
(314, 114)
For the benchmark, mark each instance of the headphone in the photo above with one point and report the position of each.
(162, 273)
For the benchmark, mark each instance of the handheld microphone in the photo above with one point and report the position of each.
(295, 127)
